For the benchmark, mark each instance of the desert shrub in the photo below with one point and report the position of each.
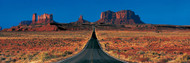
(143, 59)
(163, 60)
(162, 53)
(7, 51)
(17, 51)
(131, 48)
(141, 52)
(174, 52)
(14, 60)
(7, 61)
(44, 56)
(4, 44)
(68, 52)
(13, 51)
(180, 52)
(8, 55)
(29, 57)
(23, 44)
(76, 49)
(185, 58)
(18, 44)
(105, 45)
(3, 58)
(115, 42)
(154, 53)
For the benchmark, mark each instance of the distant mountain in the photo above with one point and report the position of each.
(25, 22)
(120, 17)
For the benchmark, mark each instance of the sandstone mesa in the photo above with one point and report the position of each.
(120, 17)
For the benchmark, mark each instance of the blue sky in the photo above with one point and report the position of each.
(173, 12)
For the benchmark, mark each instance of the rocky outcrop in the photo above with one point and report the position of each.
(81, 21)
(0, 28)
(45, 28)
(40, 24)
(34, 18)
(120, 17)
(25, 22)
(42, 19)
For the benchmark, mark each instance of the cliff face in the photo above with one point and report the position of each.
(120, 17)
(45, 18)
(34, 18)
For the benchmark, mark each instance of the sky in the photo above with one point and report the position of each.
(172, 12)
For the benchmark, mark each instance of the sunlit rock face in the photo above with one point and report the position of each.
(34, 18)
(120, 17)
(45, 18)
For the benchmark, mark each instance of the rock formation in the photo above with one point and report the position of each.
(126, 19)
(42, 19)
(25, 22)
(81, 21)
(45, 28)
(0, 28)
(120, 17)
(37, 24)
(34, 18)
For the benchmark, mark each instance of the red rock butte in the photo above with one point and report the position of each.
(45, 18)
(81, 21)
(120, 17)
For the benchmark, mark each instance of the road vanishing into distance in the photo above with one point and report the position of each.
(92, 53)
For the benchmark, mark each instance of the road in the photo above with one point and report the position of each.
(92, 53)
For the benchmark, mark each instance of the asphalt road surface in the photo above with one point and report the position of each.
(92, 53)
